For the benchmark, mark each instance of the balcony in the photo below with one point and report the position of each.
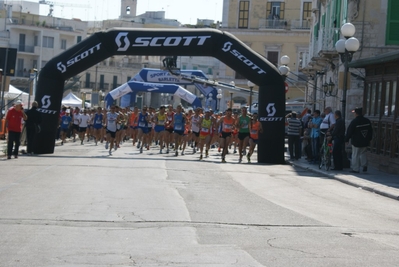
(23, 48)
(23, 22)
(273, 24)
(298, 24)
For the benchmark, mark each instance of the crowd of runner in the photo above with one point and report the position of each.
(170, 130)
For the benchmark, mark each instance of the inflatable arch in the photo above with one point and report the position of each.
(133, 86)
(164, 42)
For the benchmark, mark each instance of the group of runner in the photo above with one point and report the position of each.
(167, 127)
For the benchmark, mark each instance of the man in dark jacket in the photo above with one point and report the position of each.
(360, 133)
(32, 126)
(338, 135)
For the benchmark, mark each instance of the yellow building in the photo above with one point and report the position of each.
(273, 29)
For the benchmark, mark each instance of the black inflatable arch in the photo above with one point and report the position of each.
(188, 42)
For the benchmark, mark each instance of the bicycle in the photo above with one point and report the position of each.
(325, 153)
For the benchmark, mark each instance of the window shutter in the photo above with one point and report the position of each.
(268, 8)
(282, 8)
(393, 23)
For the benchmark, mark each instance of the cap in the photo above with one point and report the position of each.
(18, 102)
(207, 110)
(358, 110)
(294, 112)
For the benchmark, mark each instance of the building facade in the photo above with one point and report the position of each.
(372, 76)
(273, 29)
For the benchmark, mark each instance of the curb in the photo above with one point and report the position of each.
(357, 183)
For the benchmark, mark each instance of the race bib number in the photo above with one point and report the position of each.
(66, 122)
(98, 122)
(141, 124)
(254, 131)
(228, 126)
(178, 127)
(205, 130)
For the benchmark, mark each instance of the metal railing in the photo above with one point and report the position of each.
(298, 24)
(273, 24)
(23, 48)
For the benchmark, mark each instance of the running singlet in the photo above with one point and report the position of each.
(65, 121)
(161, 119)
(169, 120)
(98, 121)
(227, 126)
(133, 122)
(179, 122)
(205, 127)
(111, 121)
(195, 124)
(142, 121)
(254, 134)
(244, 124)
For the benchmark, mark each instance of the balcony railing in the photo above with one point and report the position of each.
(298, 24)
(58, 26)
(327, 39)
(23, 48)
(272, 24)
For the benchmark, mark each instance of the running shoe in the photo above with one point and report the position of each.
(141, 149)
(201, 157)
(176, 153)
(223, 160)
(81, 142)
(206, 154)
(240, 160)
(182, 153)
(106, 145)
(249, 158)
(110, 153)
(235, 151)
(62, 143)
(244, 152)
(167, 151)
(138, 144)
(160, 151)
(194, 151)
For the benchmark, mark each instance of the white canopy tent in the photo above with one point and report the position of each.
(72, 100)
(16, 94)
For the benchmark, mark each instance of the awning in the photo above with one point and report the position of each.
(380, 59)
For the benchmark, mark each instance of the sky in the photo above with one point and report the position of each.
(185, 11)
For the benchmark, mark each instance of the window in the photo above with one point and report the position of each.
(36, 40)
(238, 76)
(392, 34)
(272, 56)
(63, 44)
(243, 14)
(87, 84)
(128, 78)
(276, 9)
(115, 82)
(307, 10)
(102, 81)
(79, 38)
(48, 42)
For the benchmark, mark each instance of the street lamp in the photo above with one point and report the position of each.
(219, 97)
(233, 84)
(346, 48)
(284, 69)
(328, 89)
(251, 87)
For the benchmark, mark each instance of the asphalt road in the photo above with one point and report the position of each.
(81, 207)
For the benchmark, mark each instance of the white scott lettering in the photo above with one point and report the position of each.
(63, 68)
(170, 41)
(227, 48)
(271, 119)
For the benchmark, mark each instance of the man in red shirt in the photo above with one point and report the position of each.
(14, 124)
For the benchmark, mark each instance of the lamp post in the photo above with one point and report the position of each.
(233, 84)
(209, 100)
(346, 48)
(219, 97)
(251, 87)
(284, 69)
(328, 88)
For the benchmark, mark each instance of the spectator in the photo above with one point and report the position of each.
(306, 141)
(327, 124)
(294, 133)
(315, 135)
(32, 126)
(14, 118)
(305, 118)
(338, 135)
(360, 133)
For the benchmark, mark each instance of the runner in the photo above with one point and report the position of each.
(226, 123)
(179, 120)
(206, 123)
(111, 122)
(75, 117)
(66, 122)
(97, 121)
(195, 128)
(133, 122)
(256, 128)
(84, 120)
(169, 127)
(143, 132)
(159, 121)
(243, 125)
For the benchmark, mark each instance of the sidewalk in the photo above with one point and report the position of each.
(373, 180)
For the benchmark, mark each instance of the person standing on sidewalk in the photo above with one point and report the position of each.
(360, 133)
(338, 135)
(14, 118)
(32, 125)
(294, 133)
(314, 125)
